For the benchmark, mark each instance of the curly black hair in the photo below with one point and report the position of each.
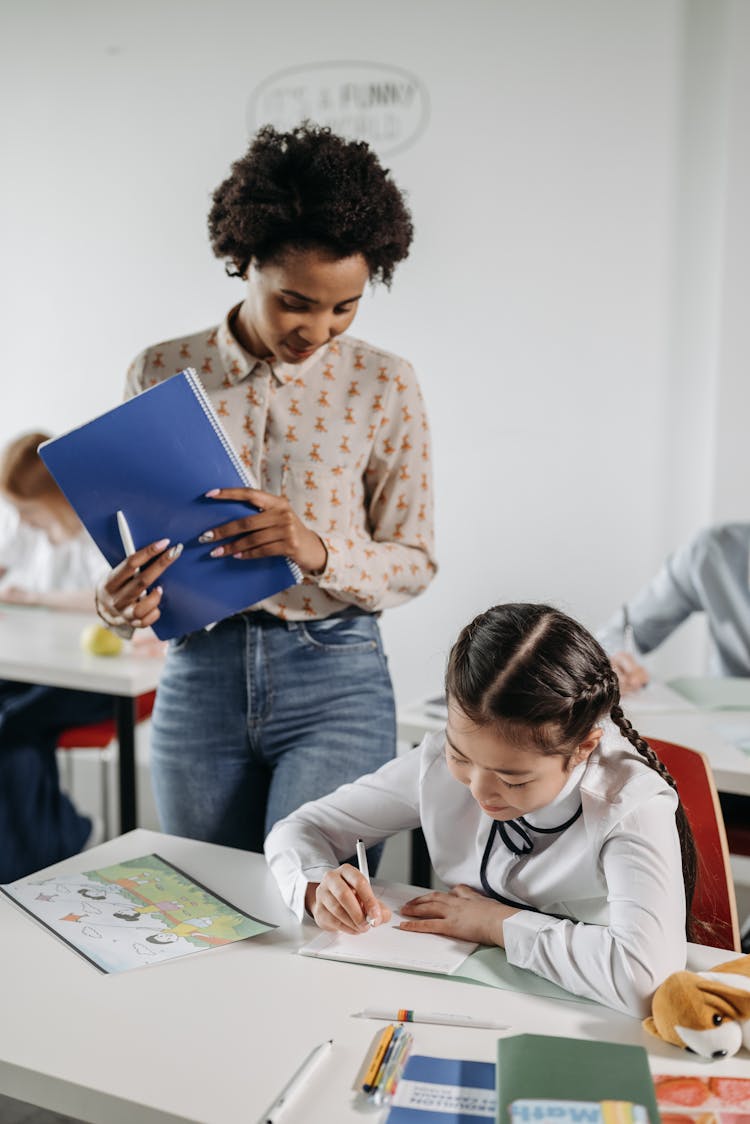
(309, 188)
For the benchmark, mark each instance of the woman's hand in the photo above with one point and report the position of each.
(462, 913)
(276, 529)
(121, 599)
(344, 902)
(631, 674)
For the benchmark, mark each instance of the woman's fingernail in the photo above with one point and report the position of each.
(212, 493)
(159, 590)
(175, 551)
(162, 544)
(239, 554)
(207, 536)
(217, 552)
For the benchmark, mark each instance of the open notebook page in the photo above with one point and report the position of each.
(387, 946)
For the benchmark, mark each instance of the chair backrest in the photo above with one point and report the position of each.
(98, 735)
(714, 902)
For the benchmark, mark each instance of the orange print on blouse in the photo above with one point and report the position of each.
(323, 399)
(294, 408)
(328, 372)
(320, 426)
(310, 479)
(310, 512)
(400, 384)
(211, 341)
(290, 435)
(314, 454)
(207, 366)
(359, 363)
(335, 501)
(158, 360)
(383, 374)
(221, 409)
(353, 390)
(344, 445)
(184, 352)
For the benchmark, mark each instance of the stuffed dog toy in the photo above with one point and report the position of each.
(707, 1013)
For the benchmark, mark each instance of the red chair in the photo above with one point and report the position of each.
(100, 735)
(714, 902)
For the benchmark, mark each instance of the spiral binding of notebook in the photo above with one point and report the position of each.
(207, 406)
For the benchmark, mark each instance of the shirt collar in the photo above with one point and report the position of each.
(238, 363)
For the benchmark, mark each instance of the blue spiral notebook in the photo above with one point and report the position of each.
(154, 457)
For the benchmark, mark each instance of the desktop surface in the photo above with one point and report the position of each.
(213, 1037)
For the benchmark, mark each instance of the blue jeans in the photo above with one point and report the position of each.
(259, 715)
(38, 823)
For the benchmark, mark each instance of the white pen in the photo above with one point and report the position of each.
(364, 869)
(125, 536)
(271, 1115)
(441, 1018)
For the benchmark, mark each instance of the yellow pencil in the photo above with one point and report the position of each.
(377, 1058)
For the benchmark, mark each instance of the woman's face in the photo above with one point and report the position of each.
(299, 303)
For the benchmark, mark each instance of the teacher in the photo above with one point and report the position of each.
(287, 700)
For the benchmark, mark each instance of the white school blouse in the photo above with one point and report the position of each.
(614, 876)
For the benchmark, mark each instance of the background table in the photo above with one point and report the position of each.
(212, 1038)
(43, 646)
(658, 712)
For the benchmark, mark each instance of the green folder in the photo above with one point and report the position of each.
(721, 693)
(576, 1069)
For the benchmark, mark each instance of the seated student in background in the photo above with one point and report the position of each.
(38, 823)
(560, 831)
(708, 574)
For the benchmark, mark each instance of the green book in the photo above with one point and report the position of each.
(575, 1069)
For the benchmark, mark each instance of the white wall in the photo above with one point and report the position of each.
(571, 301)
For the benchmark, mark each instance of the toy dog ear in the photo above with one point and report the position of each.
(649, 1025)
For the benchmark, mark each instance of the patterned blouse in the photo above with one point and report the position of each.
(344, 436)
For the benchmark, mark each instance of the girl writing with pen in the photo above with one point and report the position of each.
(557, 827)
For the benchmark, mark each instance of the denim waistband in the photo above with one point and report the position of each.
(264, 619)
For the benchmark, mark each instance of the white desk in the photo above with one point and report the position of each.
(212, 1038)
(43, 646)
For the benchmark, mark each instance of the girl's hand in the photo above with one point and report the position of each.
(344, 901)
(276, 529)
(121, 599)
(463, 914)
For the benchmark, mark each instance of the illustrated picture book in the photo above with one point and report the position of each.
(153, 458)
(133, 914)
(702, 1099)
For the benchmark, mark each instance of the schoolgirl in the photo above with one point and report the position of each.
(557, 827)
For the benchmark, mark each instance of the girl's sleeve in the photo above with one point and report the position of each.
(323, 833)
(395, 559)
(620, 964)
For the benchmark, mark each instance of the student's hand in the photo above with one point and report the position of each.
(276, 529)
(631, 674)
(462, 914)
(121, 599)
(344, 901)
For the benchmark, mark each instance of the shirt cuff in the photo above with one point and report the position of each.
(520, 933)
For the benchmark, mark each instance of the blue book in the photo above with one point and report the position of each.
(154, 457)
(444, 1091)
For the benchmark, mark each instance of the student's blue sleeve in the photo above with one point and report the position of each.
(661, 606)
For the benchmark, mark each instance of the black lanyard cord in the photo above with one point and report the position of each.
(520, 828)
